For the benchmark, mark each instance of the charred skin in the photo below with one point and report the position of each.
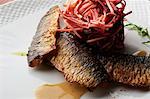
(77, 62)
(128, 69)
(44, 40)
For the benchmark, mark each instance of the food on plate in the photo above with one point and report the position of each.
(78, 49)
(71, 90)
(122, 68)
(44, 40)
(82, 67)
(77, 62)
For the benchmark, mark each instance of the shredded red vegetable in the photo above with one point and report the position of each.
(98, 22)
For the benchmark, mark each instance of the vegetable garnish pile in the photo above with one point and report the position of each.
(98, 22)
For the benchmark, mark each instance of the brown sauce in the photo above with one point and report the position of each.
(60, 91)
(140, 53)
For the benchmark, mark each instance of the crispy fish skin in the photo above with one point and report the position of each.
(44, 40)
(128, 69)
(77, 62)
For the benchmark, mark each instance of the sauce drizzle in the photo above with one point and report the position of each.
(63, 90)
(20, 53)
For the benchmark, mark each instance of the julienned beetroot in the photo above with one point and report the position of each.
(98, 22)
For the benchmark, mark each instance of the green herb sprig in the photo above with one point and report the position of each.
(143, 32)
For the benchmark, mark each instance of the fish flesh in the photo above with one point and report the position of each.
(44, 40)
(127, 69)
(77, 62)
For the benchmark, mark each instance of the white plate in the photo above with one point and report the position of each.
(18, 81)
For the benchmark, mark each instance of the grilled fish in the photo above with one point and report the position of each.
(77, 62)
(122, 68)
(44, 39)
(127, 69)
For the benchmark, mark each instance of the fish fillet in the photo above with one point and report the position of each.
(44, 40)
(77, 62)
(127, 69)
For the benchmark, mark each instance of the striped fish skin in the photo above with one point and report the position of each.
(44, 40)
(77, 62)
(127, 69)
